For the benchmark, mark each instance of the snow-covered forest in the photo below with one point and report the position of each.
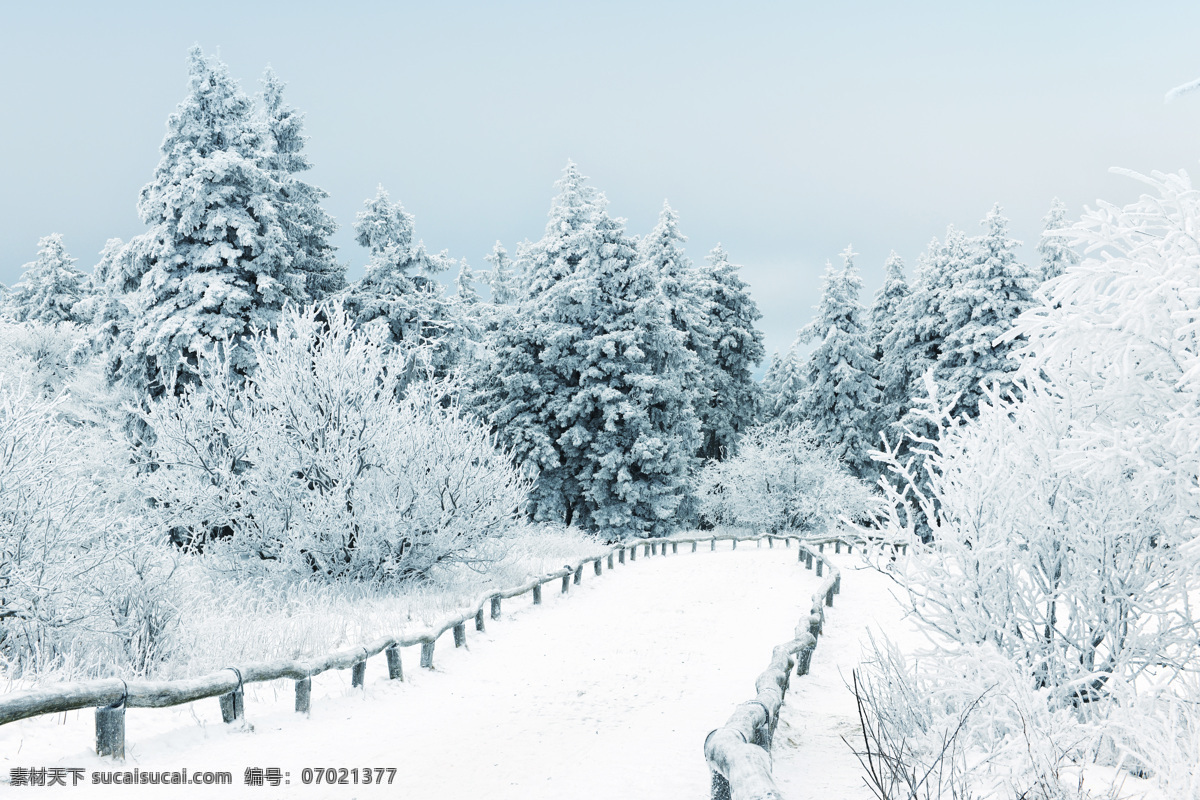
(215, 446)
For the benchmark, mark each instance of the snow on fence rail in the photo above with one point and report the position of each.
(738, 752)
(110, 697)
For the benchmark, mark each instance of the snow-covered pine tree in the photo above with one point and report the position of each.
(841, 398)
(915, 342)
(526, 383)
(584, 381)
(215, 263)
(737, 347)
(984, 298)
(50, 286)
(1056, 254)
(631, 423)
(398, 290)
(306, 226)
(885, 315)
(687, 296)
(783, 388)
(464, 284)
(504, 280)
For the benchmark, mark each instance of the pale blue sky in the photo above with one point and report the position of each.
(783, 130)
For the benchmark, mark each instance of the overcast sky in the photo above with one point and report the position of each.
(784, 130)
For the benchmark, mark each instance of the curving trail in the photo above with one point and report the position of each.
(810, 760)
(606, 692)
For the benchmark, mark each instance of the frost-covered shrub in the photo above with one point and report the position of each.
(781, 480)
(66, 544)
(1084, 574)
(332, 460)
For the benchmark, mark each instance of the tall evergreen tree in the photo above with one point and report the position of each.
(983, 301)
(464, 284)
(915, 343)
(50, 286)
(634, 365)
(885, 315)
(585, 381)
(399, 291)
(687, 295)
(841, 397)
(783, 389)
(215, 264)
(1056, 255)
(503, 279)
(306, 226)
(737, 347)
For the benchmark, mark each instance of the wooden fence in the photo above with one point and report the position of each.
(110, 697)
(738, 753)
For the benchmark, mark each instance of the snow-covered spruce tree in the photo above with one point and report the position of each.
(884, 317)
(841, 395)
(306, 226)
(737, 349)
(1055, 254)
(521, 384)
(686, 294)
(584, 380)
(465, 285)
(50, 286)
(503, 278)
(399, 293)
(915, 342)
(782, 389)
(334, 460)
(216, 263)
(632, 401)
(984, 298)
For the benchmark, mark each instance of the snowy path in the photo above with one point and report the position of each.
(607, 692)
(810, 758)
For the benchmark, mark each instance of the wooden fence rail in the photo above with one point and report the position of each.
(111, 696)
(738, 753)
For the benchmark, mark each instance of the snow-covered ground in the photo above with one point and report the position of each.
(810, 758)
(607, 692)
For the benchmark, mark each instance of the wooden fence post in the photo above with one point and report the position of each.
(633, 553)
(837, 584)
(821, 547)
(693, 547)
(735, 543)
(829, 598)
(651, 549)
(849, 548)
(674, 547)
(787, 541)
(395, 665)
(537, 595)
(578, 574)
(110, 731)
(460, 634)
(232, 705)
(621, 555)
(496, 607)
(808, 559)
(837, 546)
(713, 542)
(610, 560)
(566, 584)
(427, 655)
(820, 562)
(479, 620)
(770, 542)
(597, 566)
(303, 696)
(358, 674)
